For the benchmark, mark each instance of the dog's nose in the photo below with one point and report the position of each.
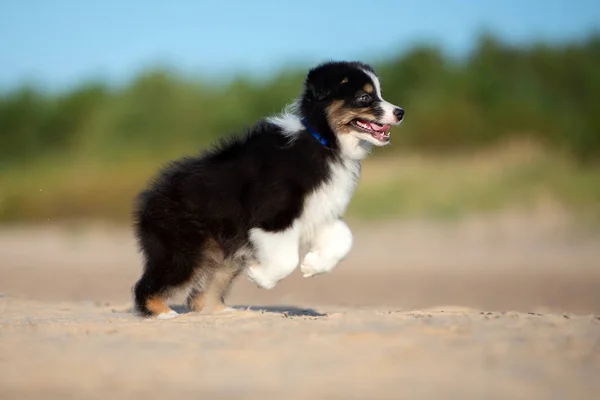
(399, 113)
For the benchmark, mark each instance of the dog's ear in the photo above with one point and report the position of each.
(322, 81)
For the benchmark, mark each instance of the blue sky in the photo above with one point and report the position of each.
(59, 43)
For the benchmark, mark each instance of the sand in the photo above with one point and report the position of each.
(503, 307)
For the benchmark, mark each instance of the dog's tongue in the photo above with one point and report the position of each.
(379, 128)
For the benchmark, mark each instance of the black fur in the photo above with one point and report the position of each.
(259, 180)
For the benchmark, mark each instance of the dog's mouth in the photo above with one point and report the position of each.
(378, 131)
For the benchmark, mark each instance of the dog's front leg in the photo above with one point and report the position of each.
(276, 255)
(330, 245)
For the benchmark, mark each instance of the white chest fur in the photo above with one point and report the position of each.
(329, 201)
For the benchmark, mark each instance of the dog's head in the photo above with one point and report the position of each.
(348, 96)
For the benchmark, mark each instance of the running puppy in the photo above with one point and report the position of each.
(264, 202)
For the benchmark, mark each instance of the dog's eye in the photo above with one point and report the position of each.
(364, 98)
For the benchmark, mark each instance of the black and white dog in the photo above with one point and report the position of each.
(265, 202)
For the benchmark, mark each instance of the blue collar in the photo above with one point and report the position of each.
(316, 134)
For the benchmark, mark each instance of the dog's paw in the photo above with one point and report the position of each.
(315, 264)
(262, 280)
(167, 315)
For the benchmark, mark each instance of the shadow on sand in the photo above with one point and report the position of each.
(290, 311)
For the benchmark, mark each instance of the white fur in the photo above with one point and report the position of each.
(167, 315)
(328, 202)
(289, 121)
(277, 255)
(330, 246)
(354, 147)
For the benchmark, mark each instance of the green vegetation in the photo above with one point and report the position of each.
(86, 152)
(518, 175)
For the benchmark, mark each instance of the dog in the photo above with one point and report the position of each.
(263, 202)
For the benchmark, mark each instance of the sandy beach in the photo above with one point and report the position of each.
(503, 307)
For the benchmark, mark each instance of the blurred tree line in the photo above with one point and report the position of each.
(548, 92)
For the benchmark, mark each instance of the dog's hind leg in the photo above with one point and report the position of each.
(158, 282)
(209, 294)
(170, 264)
(214, 277)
